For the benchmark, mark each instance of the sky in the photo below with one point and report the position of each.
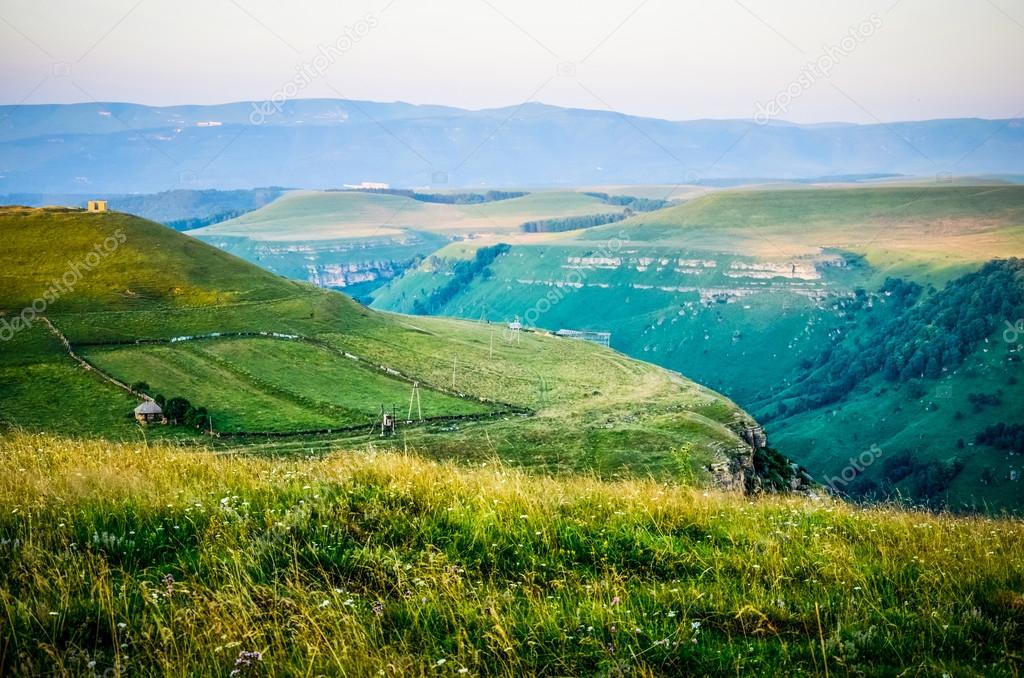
(802, 61)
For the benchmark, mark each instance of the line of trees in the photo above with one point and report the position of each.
(572, 223)
(463, 273)
(632, 202)
(200, 222)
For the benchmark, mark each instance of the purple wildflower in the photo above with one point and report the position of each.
(246, 663)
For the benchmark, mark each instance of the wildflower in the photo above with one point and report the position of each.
(615, 601)
(441, 661)
(695, 625)
(671, 614)
(378, 608)
(324, 603)
(246, 663)
(168, 582)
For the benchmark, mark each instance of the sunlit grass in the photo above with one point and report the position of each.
(163, 561)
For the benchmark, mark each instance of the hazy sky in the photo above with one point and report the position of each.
(906, 59)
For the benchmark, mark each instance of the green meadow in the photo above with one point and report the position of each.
(159, 561)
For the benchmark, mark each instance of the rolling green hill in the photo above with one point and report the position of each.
(181, 209)
(744, 290)
(356, 241)
(290, 367)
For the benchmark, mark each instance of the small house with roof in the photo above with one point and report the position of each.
(150, 413)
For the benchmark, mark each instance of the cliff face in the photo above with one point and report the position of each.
(754, 467)
(735, 474)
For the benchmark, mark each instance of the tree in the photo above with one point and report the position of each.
(175, 409)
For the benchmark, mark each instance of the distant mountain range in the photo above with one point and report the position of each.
(325, 143)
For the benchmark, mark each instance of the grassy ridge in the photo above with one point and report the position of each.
(931, 232)
(308, 215)
(160, 562)
(142, 267)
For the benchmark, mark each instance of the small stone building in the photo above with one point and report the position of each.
(150, 413)
(97, 206)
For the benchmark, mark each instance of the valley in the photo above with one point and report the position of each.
(747, 290)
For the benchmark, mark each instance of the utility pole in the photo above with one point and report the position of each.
(415, 395)
(455, 361)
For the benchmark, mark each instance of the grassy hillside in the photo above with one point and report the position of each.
(310, 215)
(138, 268)
(157, 561)
(356, 241)
(181, 209)
(269, 356)
(742, 289)
(928, 232)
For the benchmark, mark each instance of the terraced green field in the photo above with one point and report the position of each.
(272, 385)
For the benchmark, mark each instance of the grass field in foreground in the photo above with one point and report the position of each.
(167, 563)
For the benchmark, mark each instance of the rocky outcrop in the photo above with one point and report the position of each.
(753, 467)
(736, 473)
(343, 275)
(754, 436)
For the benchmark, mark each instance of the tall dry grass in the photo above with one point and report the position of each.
(163, 561)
